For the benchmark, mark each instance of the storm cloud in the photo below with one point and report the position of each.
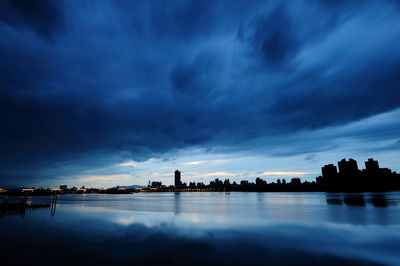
(106, 81)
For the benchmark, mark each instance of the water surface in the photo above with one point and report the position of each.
(208, 227)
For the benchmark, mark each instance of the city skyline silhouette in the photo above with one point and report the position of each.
(348, 178)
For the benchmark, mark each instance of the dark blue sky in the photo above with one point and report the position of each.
(120, 92)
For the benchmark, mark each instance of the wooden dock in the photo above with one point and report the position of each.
(20, 206)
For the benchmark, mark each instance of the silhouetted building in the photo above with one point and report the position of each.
(372, 166)
(178, 181)
(348, 169)
(63, 186)
(244, 183)
(217, 184)
(350, 178)
(227, 184)
(156, 184)
(329, 173)
(260, 182)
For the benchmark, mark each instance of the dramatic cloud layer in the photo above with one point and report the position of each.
(93, 84)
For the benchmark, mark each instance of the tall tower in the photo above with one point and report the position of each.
(177, 178)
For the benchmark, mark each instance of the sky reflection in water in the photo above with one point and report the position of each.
(231, 226)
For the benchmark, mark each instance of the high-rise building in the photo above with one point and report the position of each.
(372, 166)
(329, 173)
(348, 168)
(177, 178)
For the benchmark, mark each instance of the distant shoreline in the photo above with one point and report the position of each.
(20, 194)
(348, 179)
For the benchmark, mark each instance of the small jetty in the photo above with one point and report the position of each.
(9, 206)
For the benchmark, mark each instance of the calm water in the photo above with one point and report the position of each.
(207, 228)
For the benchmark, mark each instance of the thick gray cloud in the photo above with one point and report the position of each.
(127, 79)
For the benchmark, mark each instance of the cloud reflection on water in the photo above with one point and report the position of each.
(214, 228)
